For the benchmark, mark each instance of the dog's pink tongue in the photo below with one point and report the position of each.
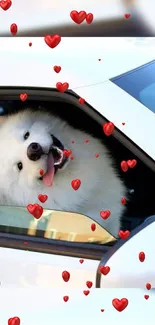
(49, 175)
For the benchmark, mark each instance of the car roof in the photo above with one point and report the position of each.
(87, 66)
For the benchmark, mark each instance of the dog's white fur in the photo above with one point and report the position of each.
(100, 189)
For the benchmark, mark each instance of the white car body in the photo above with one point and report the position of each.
(90, 79)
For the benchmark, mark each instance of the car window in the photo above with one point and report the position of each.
(57, 225)
(140, 83)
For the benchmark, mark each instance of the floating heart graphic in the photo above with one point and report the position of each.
(105, 214)
(23, 97)
(99, 59)
(89, 284)
(127, 16)
(65, 298)
(14, 321)
(89, 18)
(13, 29)
(108, 128)
(93, 226)
(142, 256)
(57, 68)
(81, 261)
(52, 40)
(66, 276)
(146, 297)
(62, 87)
(123, 123)
(124, 234)
(42, 197)
(124, 166)
(123, 200)
(67, 153)
(30, 44)
(86, 140)
(76, 183)
(132, 163)
(104, 270)
(35, 209)
(78, 17)
(73, 141)
(25, 242)
(81, 101)
(41, 172)
(72, 158)
(5, 5)
(97, 155)
(148, 286)
(120, 304)
(86, 292)
(102, 310)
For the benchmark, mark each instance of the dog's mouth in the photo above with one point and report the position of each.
(56, 160)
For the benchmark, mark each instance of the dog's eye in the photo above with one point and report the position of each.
(26, 135)
(20, 166)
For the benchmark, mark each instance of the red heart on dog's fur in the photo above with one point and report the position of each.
(124, 234)
(62, 87)
(102, 310)
(52, 40)
(148, 286)
(13, 29)
(75, 184)
(127, 16)
(104, 269)
(86, 292)
(14, 321)
(42, 197)
(66, 276)
(41, 172)
(142, 256)
(97, 155)
(124, 166)
(5, 5)
(23, 97)
(89, 284)
(123, 200)
(146, 297)
(93, 226)
(132, 163)
(78, 17)
(65, 298)
(105, 214)
(30, 44)
(108, 128)
(89, 18)
(35, 209)
(81, 101)
(120, 304)
(57, 68)
(67, 153)
(81, 261)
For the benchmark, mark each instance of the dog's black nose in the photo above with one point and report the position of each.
(34, 151)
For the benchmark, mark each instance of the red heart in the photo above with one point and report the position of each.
(93, 226)
(62, 87)
(81, 101)
(86, 140)
(123, 123)
(65, 298)
(146, 297)
(141, 256)
(81, 261)
(86, 292)
(14, 321)
(127, 16)
(104, 269)
(23, 97)
(97, 155)
(105, 214)
(52, 40)
(120, 304)
(124, 166)
(13, 29)
(25, 242)
(102, 310)
(99, 59)
(72, 158)
(35, 209)
(5, 5)
(75, 184)
(42, 198)
(57, 68)
(89, 284)
(124, 234)
(132, 163)
(66, 276)
(67, 153)
(148, 286)
(30, 44)
(89, 18)
(41, 172)
(108, 128)
(78, 17)
(123, 200)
